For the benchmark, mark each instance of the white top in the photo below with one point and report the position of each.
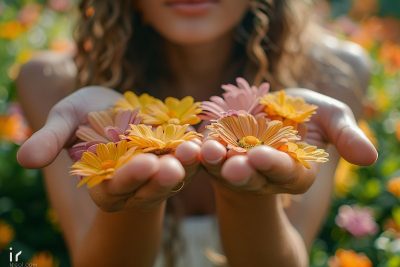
(200, 238)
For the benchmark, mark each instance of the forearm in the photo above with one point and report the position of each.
(125, 238)
(256, 232)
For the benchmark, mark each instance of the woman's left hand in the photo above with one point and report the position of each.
(269, 171)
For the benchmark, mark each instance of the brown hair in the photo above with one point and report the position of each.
(113, 46)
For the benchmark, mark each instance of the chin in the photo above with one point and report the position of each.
(193, 35)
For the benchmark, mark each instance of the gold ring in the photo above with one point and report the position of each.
(179, 187)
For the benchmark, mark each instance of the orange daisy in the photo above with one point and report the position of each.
(161, 140)
(241, 132)
(305, 153)
(289, 109)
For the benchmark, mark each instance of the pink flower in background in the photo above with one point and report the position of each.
(103, 127)
(60, 5)
(358, 221)
(29, 14)
(242, 97)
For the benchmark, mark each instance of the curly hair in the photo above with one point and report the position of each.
(116, 50)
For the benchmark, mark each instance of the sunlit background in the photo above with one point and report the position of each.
(363, 226)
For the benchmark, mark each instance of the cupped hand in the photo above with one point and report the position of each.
(267, 170)
(144, 181)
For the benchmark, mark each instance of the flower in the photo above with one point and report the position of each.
(389, 55)
(60, 5)
(29, 14)
(305, 153)
(161, 140)
(13, 128)
(43, 259)
(11, 30)
(6, 234)
(345, 177)
(369, 133)
(358, 221)
(349, 258)
(393, 186)
(132, 101)
(239, 98)
(172, 111)
(291, 110)
(101, 165)
(242, 131)
(104, 126)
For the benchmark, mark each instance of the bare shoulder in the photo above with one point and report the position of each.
(342, 70)
(42, 82)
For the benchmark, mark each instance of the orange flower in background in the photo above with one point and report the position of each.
(97, 167)
(11, 30)
(393, 186)
(62, 46)
(289, 109)
(376, 29)
(43, 259)
(6, 234)
(161, 140)
(345, 177)
(305, 153)
(363, 8)
(13, 128)
(364, 126)
(389, 55)
(349, 258)
(242, 132)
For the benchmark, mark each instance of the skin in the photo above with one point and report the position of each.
(96, 221)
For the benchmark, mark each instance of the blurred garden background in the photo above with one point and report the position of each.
(363, 226)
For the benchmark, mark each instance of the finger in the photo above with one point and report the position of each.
(170, 174)
(236, 170)
(44, 146)
(188, 154)
(340, 128)
(133, 174)
(350, 141)
(212, 156)
(281, 170)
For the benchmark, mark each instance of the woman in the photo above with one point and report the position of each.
(190, 47)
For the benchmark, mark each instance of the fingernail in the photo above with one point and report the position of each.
(214, 161)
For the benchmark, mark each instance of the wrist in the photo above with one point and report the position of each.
(241, 199)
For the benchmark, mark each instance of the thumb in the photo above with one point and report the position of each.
(43, 146)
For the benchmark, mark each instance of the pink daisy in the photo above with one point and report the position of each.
(103, 127)
(242, 97)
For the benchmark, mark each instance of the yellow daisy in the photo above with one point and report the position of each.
(305, 153)
(172, 111)
(161, 140)
(241, 132)
(291, 110)
(131, 101)
(97, 167)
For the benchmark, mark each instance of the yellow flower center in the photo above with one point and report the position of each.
(108, 164)
(249, 141)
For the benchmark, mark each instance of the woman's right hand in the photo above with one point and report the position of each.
(145, 181)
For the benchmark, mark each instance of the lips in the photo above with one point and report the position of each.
(191, 7)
